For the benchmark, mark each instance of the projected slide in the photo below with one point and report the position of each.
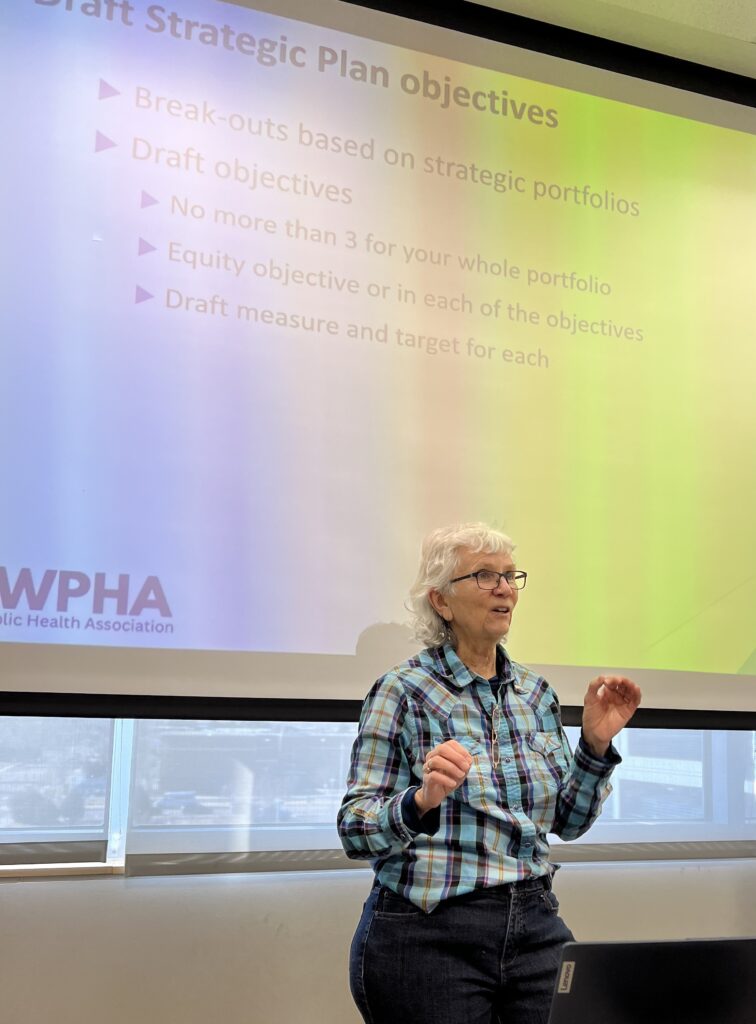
(278, 300)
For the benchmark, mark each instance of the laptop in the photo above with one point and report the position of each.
(695, 981)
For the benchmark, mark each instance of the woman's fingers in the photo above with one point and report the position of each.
(449, 760)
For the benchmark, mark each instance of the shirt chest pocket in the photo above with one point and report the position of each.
(546, 753)
(449, 719)
(546, 767)
(545, 742)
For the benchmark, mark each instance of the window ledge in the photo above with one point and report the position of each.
(9, 872)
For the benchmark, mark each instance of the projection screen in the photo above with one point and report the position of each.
(281, 297)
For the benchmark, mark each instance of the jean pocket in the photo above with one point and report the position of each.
(389, 905)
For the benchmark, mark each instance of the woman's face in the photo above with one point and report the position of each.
(478, 617)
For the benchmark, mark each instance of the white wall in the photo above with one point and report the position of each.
(272, 949)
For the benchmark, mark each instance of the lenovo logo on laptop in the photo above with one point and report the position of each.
(565, 976)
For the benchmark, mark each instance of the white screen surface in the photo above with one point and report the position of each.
(298, 312)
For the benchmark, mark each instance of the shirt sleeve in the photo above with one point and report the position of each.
(371, 820)
(583, 790)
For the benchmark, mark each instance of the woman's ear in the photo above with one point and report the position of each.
(440, 605)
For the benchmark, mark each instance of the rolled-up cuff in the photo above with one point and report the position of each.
(428, 824)
(596, 765)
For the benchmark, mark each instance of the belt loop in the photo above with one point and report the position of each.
(548, 881)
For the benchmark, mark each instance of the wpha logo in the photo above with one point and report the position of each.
(65, 594)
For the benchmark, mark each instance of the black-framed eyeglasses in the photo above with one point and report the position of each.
(487, 579)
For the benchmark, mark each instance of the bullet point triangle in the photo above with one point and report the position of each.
(142, 295)
(107, 90)
(145, 247)
(147, 200)
(103, 142)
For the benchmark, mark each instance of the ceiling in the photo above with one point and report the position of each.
(717, 33)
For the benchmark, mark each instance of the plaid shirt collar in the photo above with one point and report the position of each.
(444, 661)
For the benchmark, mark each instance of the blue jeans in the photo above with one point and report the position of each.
(490, 956)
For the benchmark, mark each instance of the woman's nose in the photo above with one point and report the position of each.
(502, 587)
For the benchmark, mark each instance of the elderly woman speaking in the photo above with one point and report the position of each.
(459, 770)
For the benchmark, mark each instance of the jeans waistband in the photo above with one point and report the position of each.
(503, 891)
(540, 882)
(507, 889)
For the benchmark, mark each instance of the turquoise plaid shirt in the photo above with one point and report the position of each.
(492, 829)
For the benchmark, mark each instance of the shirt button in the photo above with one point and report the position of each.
(507, 760)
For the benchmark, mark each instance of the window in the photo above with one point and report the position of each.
(679, 786)
(72, 789)
(216, 786)
(55, 785)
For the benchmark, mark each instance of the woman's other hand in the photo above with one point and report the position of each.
(610, 703)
